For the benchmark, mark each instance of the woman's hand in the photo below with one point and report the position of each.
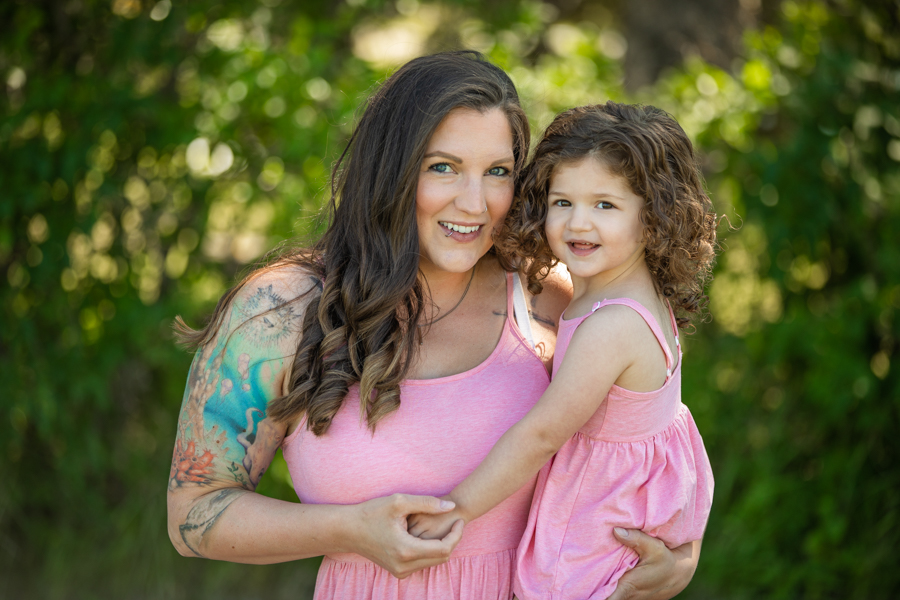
(660, 573)
(383, 537)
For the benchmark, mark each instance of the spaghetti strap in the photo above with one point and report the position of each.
(520, 308)
(651, 322)
(674, 328)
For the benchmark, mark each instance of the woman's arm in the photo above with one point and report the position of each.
(225, 442)
(583, 380)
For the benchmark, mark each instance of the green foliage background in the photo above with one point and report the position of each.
(149, 152)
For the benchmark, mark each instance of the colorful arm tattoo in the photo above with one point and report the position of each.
(225, 440)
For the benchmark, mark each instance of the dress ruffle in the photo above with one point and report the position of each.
(661, 485)
(486, 576)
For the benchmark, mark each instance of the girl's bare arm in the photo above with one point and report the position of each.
(585, 377)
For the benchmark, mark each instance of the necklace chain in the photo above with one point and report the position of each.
(455, 306)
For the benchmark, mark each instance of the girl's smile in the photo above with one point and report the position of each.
(580, 248)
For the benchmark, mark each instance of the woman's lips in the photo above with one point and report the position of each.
(582, 248)
(468, 233)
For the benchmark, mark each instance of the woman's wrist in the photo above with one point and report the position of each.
(352, 522)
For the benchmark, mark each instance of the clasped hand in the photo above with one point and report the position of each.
(433, 526)
(385, 541)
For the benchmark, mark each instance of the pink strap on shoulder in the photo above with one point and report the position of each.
(510, 301)
(651, 322)
(674, 324)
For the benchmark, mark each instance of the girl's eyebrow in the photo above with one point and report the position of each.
(602, 195)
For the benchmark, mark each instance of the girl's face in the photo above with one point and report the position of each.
(465, 188)
(593, 220)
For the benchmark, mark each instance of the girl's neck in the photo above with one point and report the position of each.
(632, 279)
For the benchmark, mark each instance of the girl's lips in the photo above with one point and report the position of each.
(459, 236)
(582, 248)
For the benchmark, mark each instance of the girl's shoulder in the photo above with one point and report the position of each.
(618, 320)
(626, 329)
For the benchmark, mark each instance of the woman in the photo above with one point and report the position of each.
(402, 303)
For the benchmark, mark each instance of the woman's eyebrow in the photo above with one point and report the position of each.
(508, 159)
(444, 155)
(457, 159)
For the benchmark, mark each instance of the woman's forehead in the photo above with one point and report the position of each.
(466, 131)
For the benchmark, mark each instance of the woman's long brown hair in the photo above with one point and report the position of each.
(362, 327)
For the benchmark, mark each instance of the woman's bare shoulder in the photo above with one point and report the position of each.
(270, 305)
(555, 296)
(282, 282)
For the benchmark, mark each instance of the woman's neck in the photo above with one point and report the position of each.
(445, 287)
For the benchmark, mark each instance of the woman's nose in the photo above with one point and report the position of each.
(471, 199)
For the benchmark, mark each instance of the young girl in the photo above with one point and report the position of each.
(615, 193)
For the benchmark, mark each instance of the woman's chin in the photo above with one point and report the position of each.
(455, 262)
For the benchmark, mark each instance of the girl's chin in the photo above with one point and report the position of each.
(581, 271)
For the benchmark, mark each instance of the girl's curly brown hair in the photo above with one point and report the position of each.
(650, 150)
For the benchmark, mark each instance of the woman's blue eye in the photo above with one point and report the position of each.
(441, 168)
(500, 171)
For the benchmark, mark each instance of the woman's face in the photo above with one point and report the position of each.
(465, 189)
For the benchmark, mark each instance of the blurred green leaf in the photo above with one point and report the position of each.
(152, 151)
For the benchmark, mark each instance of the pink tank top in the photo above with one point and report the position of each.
(443, 429)
(628, 416)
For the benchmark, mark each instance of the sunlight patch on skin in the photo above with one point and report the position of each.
(243, 365)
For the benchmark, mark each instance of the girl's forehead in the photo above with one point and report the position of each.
(587, 167)
(589, 176)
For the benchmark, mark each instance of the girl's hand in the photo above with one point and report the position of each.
(384, 540)
(429, 527)
(660, 573)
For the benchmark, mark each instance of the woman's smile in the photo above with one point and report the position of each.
(461, 232)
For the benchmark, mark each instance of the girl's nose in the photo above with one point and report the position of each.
(578, 220)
